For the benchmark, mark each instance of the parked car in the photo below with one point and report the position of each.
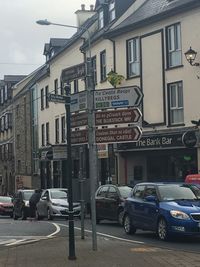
(6, 206)
(110, 202)
(193, 179)
(54, 203)
(163, 208)
(21, 207)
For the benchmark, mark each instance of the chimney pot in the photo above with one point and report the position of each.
(82, 7)
(91, 7)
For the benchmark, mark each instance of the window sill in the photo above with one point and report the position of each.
(174, 67)
(103, 81)
(133, 77)
(175, 125)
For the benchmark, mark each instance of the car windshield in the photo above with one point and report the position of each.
(124, 191)
(178, 192)
(28, 194)
(5, 199)
(58, 194)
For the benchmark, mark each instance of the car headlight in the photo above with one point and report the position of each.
(179, 215)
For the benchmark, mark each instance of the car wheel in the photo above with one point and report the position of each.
(120, 217)
(128, 227)
(23, 214)
(49, 216)
(162, 230)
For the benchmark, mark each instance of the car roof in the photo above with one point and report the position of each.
(160, 183)
(56, 189)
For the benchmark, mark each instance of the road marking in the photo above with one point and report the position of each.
(15, 242)
(7, 241)
(106, 235)
(57, 230)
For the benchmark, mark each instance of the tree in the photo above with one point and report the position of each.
(114, 78)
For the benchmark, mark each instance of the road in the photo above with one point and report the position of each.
(18, 232)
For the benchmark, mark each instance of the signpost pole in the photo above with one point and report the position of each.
(72, 255)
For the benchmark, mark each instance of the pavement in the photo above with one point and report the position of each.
(53, 252)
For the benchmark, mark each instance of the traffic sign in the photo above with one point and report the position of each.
(79, 119)
(79, 137)
(118, 135)
(120, 97)
(117, 116)
(59, 98)
(78, 101)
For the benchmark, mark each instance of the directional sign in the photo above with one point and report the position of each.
(79, 119)
(79, 137)
(118, 135)
(78, 101)
(120, 97)
(59, 98)
(117, 116)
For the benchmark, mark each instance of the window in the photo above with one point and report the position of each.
(138, 191)
(174, 45)
(56, 86)
(47, 133)
(57, 130)
(46, 96)
(42, 98)
(150, 191)
(133, 56)
(103, 65)
(112, 10)
(19, 166)
(63, 129)
(6, 92)
(75, 86)
(2, 96)
(94, 69)
(175, 96)
(101, 19)
(9, 120)
(42, 134)
(112, 193)
(102, 191)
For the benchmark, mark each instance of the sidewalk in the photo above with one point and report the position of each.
(111, 253)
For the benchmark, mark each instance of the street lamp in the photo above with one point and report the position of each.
(190, 56)
(91, 132)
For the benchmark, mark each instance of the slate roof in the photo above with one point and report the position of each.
(151, 11)
(13, 78)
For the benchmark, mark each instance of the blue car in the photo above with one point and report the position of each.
(163, 208)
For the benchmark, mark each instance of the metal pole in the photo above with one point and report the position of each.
(72, 255)
(81, 180)
(92, 144)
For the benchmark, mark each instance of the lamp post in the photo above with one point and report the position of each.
(91, 127)
(190, 55)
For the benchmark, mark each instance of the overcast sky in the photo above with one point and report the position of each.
(22, 40)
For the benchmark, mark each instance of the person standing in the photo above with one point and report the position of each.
(34, 199)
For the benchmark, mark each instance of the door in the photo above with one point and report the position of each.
(112, 203)
(100, 202)
(43, 204)
(151, 208)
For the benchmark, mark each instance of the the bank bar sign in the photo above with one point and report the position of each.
(155, 142)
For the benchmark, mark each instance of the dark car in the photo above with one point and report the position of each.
(21, 207)
(6, 206)
(110, 202)
(167, 209)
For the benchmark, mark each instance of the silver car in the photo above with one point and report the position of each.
(54, 203)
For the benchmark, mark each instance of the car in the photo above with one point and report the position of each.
(6, 206)
(54, 203)
(109, 200)
(166, 209)
(21, 207)
(193, 179)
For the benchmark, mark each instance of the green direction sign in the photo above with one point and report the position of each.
(59, 98)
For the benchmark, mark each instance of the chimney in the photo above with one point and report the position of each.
(83, 14)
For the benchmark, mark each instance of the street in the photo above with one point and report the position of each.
(13, 233)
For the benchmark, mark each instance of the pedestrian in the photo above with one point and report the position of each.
(34, 199)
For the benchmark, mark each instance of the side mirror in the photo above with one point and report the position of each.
(44, 198)
(151, 198)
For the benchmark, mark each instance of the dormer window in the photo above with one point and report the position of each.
(101, 19)
(112, 10)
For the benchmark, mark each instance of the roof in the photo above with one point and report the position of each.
(58, 41)
(13, 78)
(151, 11)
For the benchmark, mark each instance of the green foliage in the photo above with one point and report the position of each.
(114, 78)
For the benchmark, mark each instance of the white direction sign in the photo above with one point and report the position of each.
(119, 97)
(78, 101)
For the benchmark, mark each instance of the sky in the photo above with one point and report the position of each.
(22, 40)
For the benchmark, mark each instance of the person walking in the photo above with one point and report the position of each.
(34, 199)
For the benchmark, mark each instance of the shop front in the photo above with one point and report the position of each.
(158, 157)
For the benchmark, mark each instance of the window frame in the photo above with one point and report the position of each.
(101, 19)
(173, 44)
(47, 133)
(57, 130)
(94, 69)
(133, 57)
(42, 98)
(178, 101)
(46, 96)
(56, 86)
(63, 129)
(103, 65)
(112, 11)
(43, 134)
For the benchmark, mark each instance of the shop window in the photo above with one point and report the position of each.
(175, 96)
(138, 173)
(174, 45)
(133, 58)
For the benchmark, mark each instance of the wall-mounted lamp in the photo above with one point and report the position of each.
(190, 56)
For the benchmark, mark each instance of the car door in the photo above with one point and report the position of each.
(111, 203)
(135, 206)
(100, 202)
(151, 209)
